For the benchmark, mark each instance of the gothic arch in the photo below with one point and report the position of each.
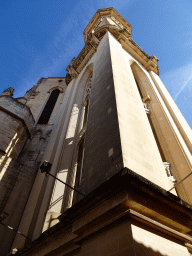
(84, 87)
(136, 69)
(56, 87)
(86, 74)
(77, 161)
(141, 79)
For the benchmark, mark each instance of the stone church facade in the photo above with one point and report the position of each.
(111, 130)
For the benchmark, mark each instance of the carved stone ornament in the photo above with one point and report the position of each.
(168, 171)
(146, 107)
(94, 41)
(71, 70)
(88, 85)
(8, 92)
(72, 73)
(31, 94)
(146, 98)
(94, 33)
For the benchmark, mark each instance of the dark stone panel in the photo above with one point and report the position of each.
(102, 126)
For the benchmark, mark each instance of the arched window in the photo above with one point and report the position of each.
(134, 69)
(80, 154)
(48, 109)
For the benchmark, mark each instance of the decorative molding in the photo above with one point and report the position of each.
(47, 133)
(146, 107)
(161, 226)
(8, 92)
(188, 245)
(33, 95)
(111, 13)
(141, 217)
(56, 87)
(93, 34)
(146, 98)
(168, 171)
(164, 144)
(120, 215)
(34, 131)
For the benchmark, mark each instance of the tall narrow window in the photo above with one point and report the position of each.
(80, 154)
(80, 162)
(156, 139)
(48, 109)
(151, 124)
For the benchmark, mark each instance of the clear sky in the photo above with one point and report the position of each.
(40, 37)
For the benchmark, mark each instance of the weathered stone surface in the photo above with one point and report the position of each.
(112, 115)
(13, 134)
(22, 146)
(109, 222)
(18, 110)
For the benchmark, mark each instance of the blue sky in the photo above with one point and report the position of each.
(39, 39)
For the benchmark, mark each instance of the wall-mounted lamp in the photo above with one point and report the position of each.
(46, 167)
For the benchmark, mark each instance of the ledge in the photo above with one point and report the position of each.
(126, 182)
(18, 110)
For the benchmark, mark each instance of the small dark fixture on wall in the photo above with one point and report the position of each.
(46, 167)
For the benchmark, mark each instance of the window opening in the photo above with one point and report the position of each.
(80, 161)
(156, 139)
(80, 154)
(48, 109)
(152, 127)
(139, 90)
(85, 113)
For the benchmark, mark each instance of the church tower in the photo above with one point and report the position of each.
(111, 130)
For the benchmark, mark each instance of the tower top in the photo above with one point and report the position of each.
(107, 19)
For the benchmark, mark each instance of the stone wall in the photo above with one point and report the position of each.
(15, 188)
(22, 146)
(34, 148)
(41, 93)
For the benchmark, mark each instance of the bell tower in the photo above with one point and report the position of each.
(119, 139)
(132, 117)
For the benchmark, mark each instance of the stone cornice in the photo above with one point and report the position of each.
(107, 12)
(17, 109)
(125, 194)
(121, 30)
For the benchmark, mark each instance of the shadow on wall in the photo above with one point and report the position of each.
(141, 249)
(68, 147)
(9, 170)
(127, 237)
(138, 249)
